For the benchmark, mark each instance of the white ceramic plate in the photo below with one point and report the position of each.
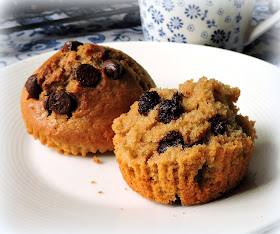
(42, 190)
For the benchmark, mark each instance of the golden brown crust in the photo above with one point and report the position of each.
(88, 129)
(196, 174)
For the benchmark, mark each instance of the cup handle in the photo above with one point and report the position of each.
(256, 31)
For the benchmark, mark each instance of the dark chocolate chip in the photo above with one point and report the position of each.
(169, 110)
(218, 126)
(177, 97)
(177, 200)
(71, 46)
(32, 87)
(87, 75)
(147, 102)
(74, 102)
(113, 68)
(172, 139)
(60, 102)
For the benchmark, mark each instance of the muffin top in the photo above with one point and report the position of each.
(194, 117)
(77, 93)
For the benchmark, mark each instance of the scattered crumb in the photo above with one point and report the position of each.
(184, 213)
(96, 160)
(100, 192)
(92, 182)
(174, 216)
(125, 188)
(122, 208)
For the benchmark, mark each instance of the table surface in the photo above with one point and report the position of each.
(26, 34)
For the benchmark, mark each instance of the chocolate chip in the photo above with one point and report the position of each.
(32, 87)
(59, 102)
(71, 46)
(87, 75)
(177, 200)
(74, 101)
(218, 126)
(169, 110)
(177, 97)
(172, 139)
(147, 102)
(113, 68)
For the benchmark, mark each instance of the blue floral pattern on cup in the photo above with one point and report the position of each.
(168, 5)
(157, 16)
(181, 21)
(193, 11)
(218, 36)
(176, 23)
(238, 3)
(178, 38)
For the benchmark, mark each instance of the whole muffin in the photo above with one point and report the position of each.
(70, 102)
(187, 144)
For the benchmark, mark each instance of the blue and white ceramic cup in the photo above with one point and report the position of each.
(219, 23)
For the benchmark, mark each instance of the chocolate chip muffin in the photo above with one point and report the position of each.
(187, 144)
(70, 102)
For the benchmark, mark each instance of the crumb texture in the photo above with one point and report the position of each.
(70, 102)
(192, 146)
